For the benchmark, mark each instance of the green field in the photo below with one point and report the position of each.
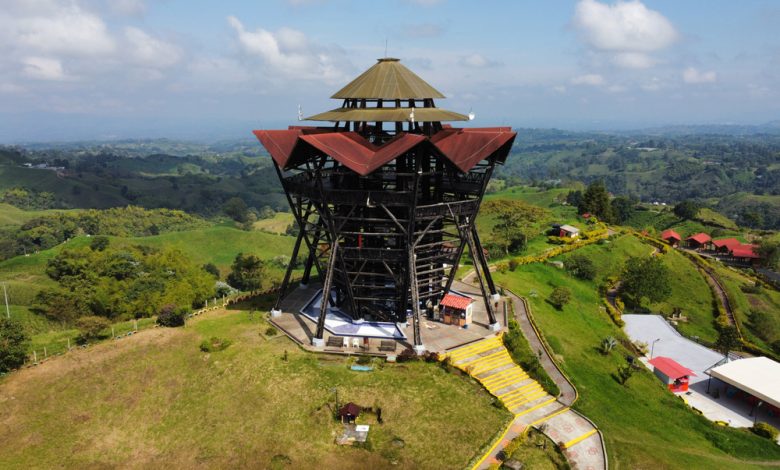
(277, 224)
(644, 425)
(13, 216)
(155, 400)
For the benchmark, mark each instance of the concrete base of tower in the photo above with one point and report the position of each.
(419, 349)
(495, 297)
(276, 313)
(495, 326)
(301, 285)
(318, 342)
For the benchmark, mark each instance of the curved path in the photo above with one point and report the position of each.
(489, 362)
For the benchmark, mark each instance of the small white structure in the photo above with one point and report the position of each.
(569, 231)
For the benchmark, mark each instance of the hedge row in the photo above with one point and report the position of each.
(552, 253)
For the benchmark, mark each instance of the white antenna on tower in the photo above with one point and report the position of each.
(471, 115)
(300, 113)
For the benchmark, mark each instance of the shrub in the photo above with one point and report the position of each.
(271, 331)
(363, 360)
(13, 345)
(765, 430)
(214, 344)
(580, 266)
(171, 316)
(560, 296)
(90, 327)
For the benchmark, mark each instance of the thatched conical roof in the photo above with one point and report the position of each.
(388, 79)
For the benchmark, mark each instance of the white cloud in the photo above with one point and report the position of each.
(289, 52)
(628, 31)
(693, 75)
(634, 60)
(591, 79)
(477, 61)
(43, 68)
(55, 28)
(151, 52)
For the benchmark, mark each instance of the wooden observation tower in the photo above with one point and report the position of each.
(385, 198)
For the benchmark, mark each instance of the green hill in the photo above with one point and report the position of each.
(155, 400)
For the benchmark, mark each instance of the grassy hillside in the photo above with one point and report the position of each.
(25, 276)
(157, 401)
(644, 425)
(13, 216)
(276, 224)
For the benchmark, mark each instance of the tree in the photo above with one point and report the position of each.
(236, 209)
(623, 208)
(624, 373)
(99, 243)
(13, 345)
(212, 269)
(574, 198)
(91, 326)
(769, 251)
(595, 200)
(560, 296)
(247, 272)
(580, 266)
(645, 278)
(728, 339)
(687, 209)
(512, 220)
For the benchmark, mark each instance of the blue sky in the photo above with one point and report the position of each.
(92, 69)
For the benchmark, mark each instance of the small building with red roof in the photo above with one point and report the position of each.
(725, 245)
(699, 241)
(456, 309)
(672, 373)
(671, 237)
(745, 254)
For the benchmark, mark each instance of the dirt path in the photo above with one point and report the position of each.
(720, 292)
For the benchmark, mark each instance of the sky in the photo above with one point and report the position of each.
(207, 70)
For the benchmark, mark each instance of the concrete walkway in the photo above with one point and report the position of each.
(489, 362)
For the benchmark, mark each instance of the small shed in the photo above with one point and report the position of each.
(568, 231)
(699, 241)
(456, 309)
(671, 237)
(349, 412)
(725, 245)
(672, 373)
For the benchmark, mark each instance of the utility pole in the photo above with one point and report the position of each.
(7, 309)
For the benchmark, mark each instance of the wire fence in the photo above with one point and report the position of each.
(56, 343)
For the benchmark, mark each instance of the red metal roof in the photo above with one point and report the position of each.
(670, 367)
(700, 238)
(667, 234)
(727, 242)
(358, 154)
(463, 147)
(467, 147)
(744, 251)
(456, 301)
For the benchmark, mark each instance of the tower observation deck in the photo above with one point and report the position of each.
(385, 198)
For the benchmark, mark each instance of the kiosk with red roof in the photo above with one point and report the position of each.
(672, 373)
(456, 309)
